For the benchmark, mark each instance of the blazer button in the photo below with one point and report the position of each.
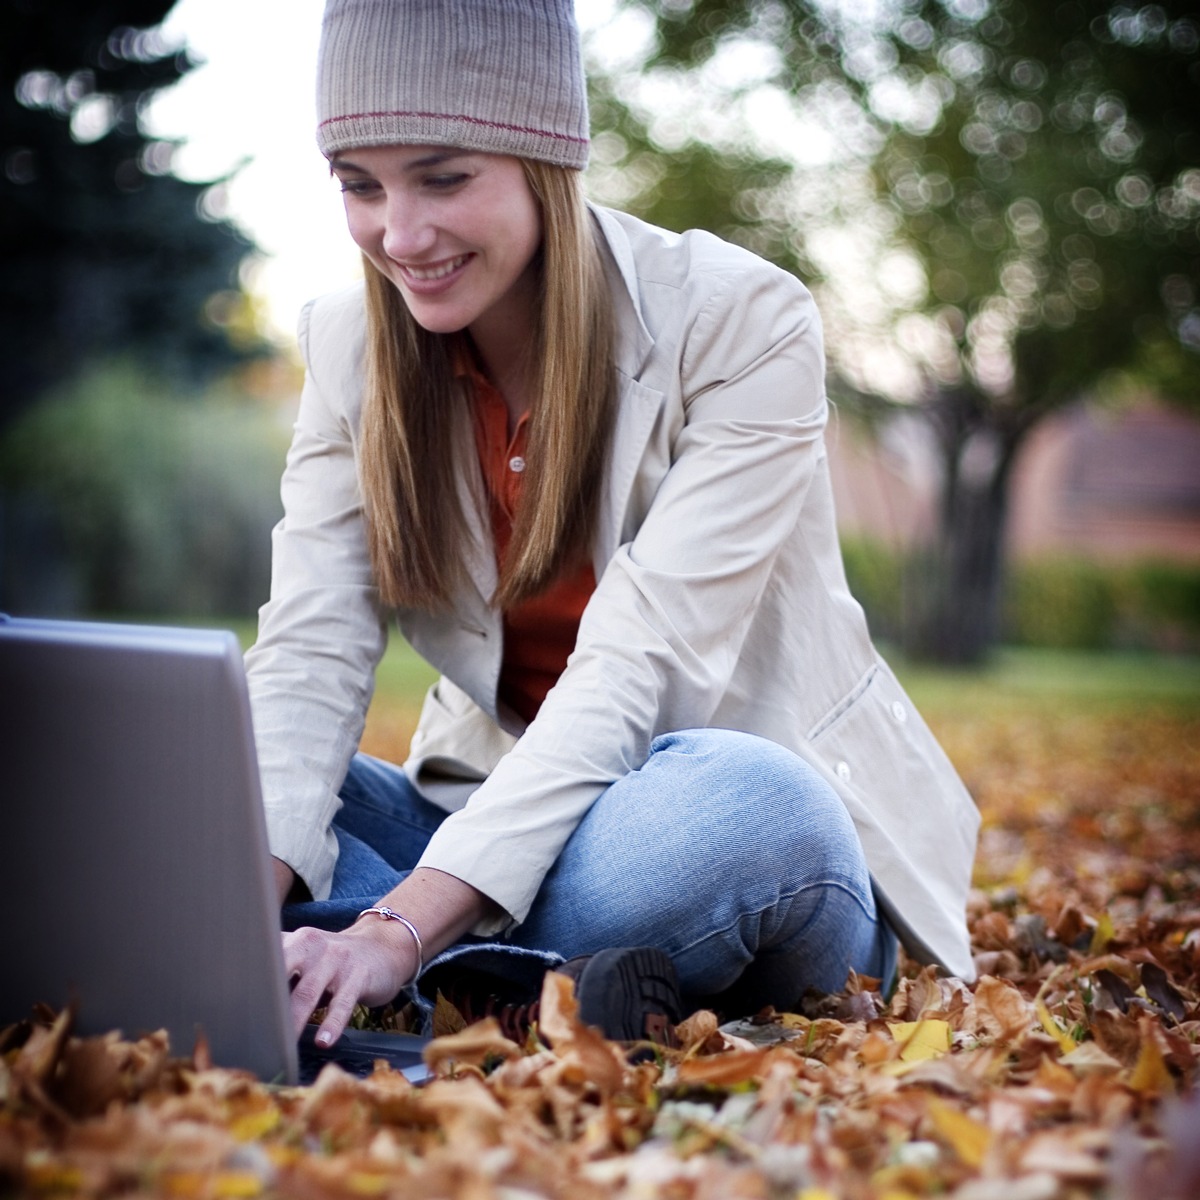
(843, 771)
(899, 712)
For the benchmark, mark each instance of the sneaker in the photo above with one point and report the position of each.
(630, 995)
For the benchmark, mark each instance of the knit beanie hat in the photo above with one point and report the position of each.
(502, 76)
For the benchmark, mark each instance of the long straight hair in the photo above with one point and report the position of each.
(417, 434)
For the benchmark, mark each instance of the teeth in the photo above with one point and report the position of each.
(437, 272)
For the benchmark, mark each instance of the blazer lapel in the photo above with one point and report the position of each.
(637, 413)
(481, 555)
(638, 406)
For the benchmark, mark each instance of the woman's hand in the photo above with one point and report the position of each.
(372, 960)
(368, 963)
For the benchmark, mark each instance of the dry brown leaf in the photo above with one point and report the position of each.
(474, 1045)
(446, 1018)
(999, 1011)
(1089, 934)
(726, 1070)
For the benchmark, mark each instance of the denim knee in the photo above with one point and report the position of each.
(745, 785)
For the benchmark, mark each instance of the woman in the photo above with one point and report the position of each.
(581, 461)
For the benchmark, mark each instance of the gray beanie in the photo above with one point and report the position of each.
(503, 76)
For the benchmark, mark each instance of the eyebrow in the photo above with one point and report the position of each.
(433, 159)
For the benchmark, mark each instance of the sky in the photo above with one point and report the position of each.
(250, 107)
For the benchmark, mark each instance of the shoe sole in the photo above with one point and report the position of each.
(620, 989)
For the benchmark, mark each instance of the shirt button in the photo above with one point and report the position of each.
(516, 463)
(899, 712)
(843, 771)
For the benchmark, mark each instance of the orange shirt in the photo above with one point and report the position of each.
(540, 633)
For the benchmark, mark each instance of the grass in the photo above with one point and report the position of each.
(1091, 683)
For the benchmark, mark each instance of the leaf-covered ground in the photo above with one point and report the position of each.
(1068, 1069)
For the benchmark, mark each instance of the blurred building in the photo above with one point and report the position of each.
(1107, 485)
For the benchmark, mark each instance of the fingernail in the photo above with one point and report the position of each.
(324, 1038)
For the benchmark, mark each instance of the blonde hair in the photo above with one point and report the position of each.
(417, 434)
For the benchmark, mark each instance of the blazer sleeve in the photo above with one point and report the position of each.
(663, 631)
(322, 632)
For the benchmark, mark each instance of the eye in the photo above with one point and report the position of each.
(447, 182)
(357, 187)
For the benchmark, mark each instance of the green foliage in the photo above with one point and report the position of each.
(152, 505)
(1159, 604)
(1061, 602)
(876, 575)
(1074, 603)
(1066, 603)
(102, 247)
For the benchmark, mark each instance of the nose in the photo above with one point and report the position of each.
(408, 233)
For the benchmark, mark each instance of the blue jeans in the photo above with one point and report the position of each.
(725, 850)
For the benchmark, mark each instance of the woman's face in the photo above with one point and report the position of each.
(454, 230)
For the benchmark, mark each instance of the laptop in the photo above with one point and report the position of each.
(134, 873)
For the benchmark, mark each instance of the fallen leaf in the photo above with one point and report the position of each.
(1088, 1059)
(1102, 935)
(446, 1018)
(726, 1070)
(1051, 1026)
(475, 1044)
(1150, 1073)
(968, 1138)
(919, 1040)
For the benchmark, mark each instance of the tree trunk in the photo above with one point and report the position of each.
(958, 583)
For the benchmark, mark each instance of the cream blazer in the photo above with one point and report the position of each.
(721, 602)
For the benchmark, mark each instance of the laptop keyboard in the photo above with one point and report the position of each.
(357, 1051)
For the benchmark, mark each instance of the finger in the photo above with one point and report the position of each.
(311, 980)
(337, 1015)
(306, 996)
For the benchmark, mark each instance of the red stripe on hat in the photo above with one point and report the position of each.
(563, 137)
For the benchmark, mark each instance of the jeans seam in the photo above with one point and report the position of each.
(822, 883)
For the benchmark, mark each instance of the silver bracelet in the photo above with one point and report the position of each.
(386, 914)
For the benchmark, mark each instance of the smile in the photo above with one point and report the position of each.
(429, 274)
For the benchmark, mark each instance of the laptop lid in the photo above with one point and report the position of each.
(134, 872)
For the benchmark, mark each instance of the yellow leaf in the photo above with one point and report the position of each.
(364, 1184)
(968, 1138)
(1150, 1072)
(235, 1184)
(1101, 935)
(51, 1177)
(920, 1040)
(253, 1125)
(1022, 872)
(793, 1021)
(1065, 1041)
(814, 1193)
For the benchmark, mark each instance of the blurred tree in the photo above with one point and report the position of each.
(103, 250)
(125, 501)
(1037, 165)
